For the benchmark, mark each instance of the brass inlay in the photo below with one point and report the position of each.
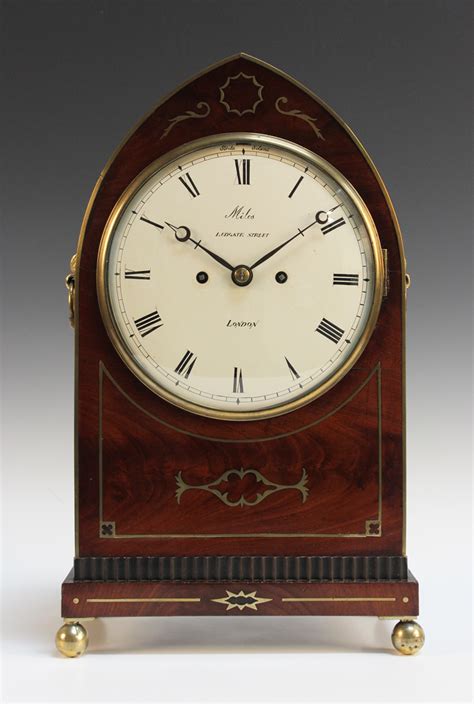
(267, 438)
(298, 113)
(373, 529)
(226, 102)
(189, 114)
(75, 600)
(405, 600)
(161, 600)
(241, 601)
(341, 598)
(212, 487)
(386, 273)
(107, 529)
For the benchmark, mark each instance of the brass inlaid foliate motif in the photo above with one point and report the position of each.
(222, 494)
(311, 121)
(241, 600)
(189, 114)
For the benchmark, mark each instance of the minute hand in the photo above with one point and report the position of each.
(277, 249)
(212, 254)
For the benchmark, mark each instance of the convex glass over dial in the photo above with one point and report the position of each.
(240, 276)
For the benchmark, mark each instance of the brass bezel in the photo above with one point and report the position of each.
(106, 240)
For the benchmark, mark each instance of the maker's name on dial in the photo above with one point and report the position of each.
(240, 212)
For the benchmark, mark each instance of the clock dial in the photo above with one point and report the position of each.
(240, 276)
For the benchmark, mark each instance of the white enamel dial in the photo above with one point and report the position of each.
(201, 307)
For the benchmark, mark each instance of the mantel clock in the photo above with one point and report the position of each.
(238, 299)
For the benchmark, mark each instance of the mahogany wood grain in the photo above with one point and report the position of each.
(131, 444)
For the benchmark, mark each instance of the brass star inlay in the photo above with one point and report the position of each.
(241, 601)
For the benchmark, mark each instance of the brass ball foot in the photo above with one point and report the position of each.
(72, 640)
(408, 637)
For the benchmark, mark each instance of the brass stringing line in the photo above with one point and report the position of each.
(101, 492)
(177, 536)
(242, 440)
(340, 598)
(379, 403)
(145, 600)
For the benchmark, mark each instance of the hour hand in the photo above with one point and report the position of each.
(183, 233)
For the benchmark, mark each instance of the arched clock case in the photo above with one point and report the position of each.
(238, 299)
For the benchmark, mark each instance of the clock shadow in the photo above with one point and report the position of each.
(233, 635)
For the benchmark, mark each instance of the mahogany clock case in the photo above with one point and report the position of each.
(329, 535)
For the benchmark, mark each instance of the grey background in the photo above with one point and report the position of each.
(76, 76)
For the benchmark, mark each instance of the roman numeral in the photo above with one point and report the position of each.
(332, 225)
(155, 224)
(330, 330)
(186, 365)
(238, 381)
(345, 279)
(189, 184)
(148, 323)
(293, 372)
(143, 275)
(290, 194)
(242, 166)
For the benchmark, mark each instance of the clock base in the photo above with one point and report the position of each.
(83, 600)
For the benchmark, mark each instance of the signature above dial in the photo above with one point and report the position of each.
(240, 278)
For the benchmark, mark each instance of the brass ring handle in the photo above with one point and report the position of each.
(71, 285)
